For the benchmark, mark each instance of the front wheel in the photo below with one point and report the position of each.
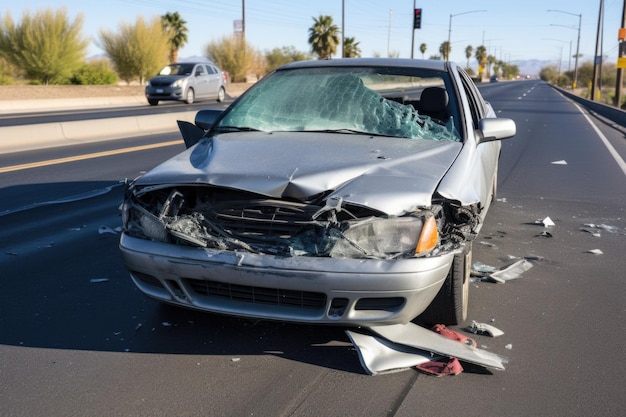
(190, 96)
(451, 303)
(153, 102)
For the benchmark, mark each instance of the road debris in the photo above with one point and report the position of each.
(107, 229)
(381, 356)
(513, 271)
(484, 329)
(414, 336)
(98, 280)
(485, 272)
(560, 162)
(595, 251)
(451, 367)
(547, 222)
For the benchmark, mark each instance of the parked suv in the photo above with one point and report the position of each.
(186, 81)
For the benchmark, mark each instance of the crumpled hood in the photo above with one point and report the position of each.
(387, 174)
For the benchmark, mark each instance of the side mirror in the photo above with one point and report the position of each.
(205, 119)
(491, 129)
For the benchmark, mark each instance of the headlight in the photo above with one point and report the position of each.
(387, 238)
(148, 84)
(136, 218)
(178, 83)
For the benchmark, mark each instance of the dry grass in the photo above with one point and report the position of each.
(26, 92)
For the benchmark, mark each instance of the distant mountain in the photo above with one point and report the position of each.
(532, 67)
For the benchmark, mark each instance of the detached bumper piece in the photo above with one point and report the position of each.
(402, 346)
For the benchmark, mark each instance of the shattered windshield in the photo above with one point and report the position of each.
(410, 103)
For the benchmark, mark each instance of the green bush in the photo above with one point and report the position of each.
(94, 73)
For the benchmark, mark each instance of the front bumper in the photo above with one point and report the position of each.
(297, 289)
(164, 93)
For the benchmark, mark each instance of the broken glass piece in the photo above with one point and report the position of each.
(561, 162)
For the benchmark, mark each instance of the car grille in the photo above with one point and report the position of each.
(265, 219)
(258, 295)
(160, 84)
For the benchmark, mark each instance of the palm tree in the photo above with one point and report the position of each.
(351, 48)
(490, 60)
(323, 37)
(423, 49)
(444, 49)
(481, 57)
(468, 53)
(176, 30)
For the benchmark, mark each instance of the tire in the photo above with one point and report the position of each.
(221, 95)
(190, 96)
(451, 303)
(153, 102)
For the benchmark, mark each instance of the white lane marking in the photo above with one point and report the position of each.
(606, 142)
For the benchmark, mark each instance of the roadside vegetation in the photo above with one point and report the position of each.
(47, 47)
(566, 79)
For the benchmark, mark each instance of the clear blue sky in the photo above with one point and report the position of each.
(511, 30)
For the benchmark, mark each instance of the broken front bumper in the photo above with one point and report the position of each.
(299, 289)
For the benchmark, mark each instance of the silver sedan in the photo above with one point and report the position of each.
(338, 192)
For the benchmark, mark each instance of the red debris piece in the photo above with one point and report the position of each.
(453, 335)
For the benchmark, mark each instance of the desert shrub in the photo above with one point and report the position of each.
(95, 73)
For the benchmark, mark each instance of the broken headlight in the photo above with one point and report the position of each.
(387, 238)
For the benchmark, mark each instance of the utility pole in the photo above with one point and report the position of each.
(597, 62)
(343, 28)
(413, 32)
(620, 57)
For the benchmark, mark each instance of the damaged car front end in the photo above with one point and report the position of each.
(329, 203)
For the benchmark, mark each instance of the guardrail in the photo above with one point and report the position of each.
(612, 113)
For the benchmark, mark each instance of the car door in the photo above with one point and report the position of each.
(201, 81)
(214, 80)
(487, 153)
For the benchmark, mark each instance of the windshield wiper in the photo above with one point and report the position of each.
(225, 129)
(350, 131)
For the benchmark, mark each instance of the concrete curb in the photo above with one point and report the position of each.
(47, 135)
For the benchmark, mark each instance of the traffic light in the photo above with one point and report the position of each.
(417, 19)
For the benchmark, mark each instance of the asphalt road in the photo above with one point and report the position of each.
(76, 338)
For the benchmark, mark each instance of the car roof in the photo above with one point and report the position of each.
(372, 62)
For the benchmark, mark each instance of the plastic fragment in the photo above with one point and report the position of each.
(381, 356)
(513, 271)
(561, 162)
(485, 329)
(547, 222)
(509, 346)
(544, 234)
(595, 251)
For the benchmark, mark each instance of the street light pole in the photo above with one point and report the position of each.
(580, 17)
(450, 24)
